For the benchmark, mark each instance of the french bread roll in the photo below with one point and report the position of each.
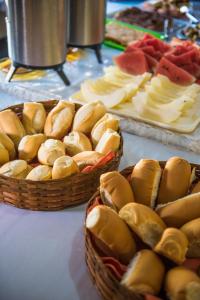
(4, 155)
(29, 145)
(144, 222)
(76, 142)
(173, 245)
(196, 188)
(145, 273)
(182, 284)
(87, 116)
(109, 141)
(49, 151)
(115, 190)
(11, 125)
(101, 221)
(175, 180)
(87, 158)
(181, 211)
(64, 166)
(106, 122)
(59, 120)
(192, 231)
(16, 168)
(145, 180)
(34, 117)
(8, 144)
(40, 173)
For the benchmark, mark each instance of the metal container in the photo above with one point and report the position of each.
(37, 32)
(86, 22)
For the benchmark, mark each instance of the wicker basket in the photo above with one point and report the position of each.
(53, 194)
(106, 283)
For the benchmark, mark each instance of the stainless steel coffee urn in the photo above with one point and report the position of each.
(87, 24)
(37, 34)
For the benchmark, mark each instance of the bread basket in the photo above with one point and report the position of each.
(53, 194)
(106, 282)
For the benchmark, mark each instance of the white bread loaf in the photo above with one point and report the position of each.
(34, 117)
(29, 146)
(108, 121)
(59, 120)
(11, 125)
(87, 116)
(110, 141)
(49, 151)
(76, 142)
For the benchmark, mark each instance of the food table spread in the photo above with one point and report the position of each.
(42, 253)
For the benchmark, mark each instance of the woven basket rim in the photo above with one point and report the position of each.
(88, 242)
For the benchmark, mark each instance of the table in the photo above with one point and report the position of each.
(42, 253)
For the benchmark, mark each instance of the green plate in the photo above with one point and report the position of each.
(135, 27)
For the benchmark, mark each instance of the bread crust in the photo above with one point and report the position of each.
(192, 231)
(173, 245)
(145, 273)
(181, 211)
(144, 222)
(145, 179)
(101, 221)
(115, 190)
(175, 180)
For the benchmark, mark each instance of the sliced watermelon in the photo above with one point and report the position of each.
(197, 81)
(193, 69)
(174, 73)
(186, 57)
(152, 62)
(132, 62)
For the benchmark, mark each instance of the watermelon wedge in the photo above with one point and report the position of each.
(193, 69)
(174, 73)
(133, 63)
(152, 62)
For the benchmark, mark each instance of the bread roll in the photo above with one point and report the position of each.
(11, 125)
(181, 211)
(109, 141)
(8, 144)
(175, 180)
(106, 122)
(34, 117)
(192, 231)
(101, 221)
(40, 173)
(144, 222)
(87, 158)
(76, 142)
(59, 120)
(182, 284)
(196, 188)
(4, 155)
(64, 166)
(29, 145)
(87, 116)
(115, 190)
(49, 151)
(16, 168)
(145, 180)
(173, 244)
(145, 273)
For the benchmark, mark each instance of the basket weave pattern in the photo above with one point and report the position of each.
(106, 283)
(53, 194)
